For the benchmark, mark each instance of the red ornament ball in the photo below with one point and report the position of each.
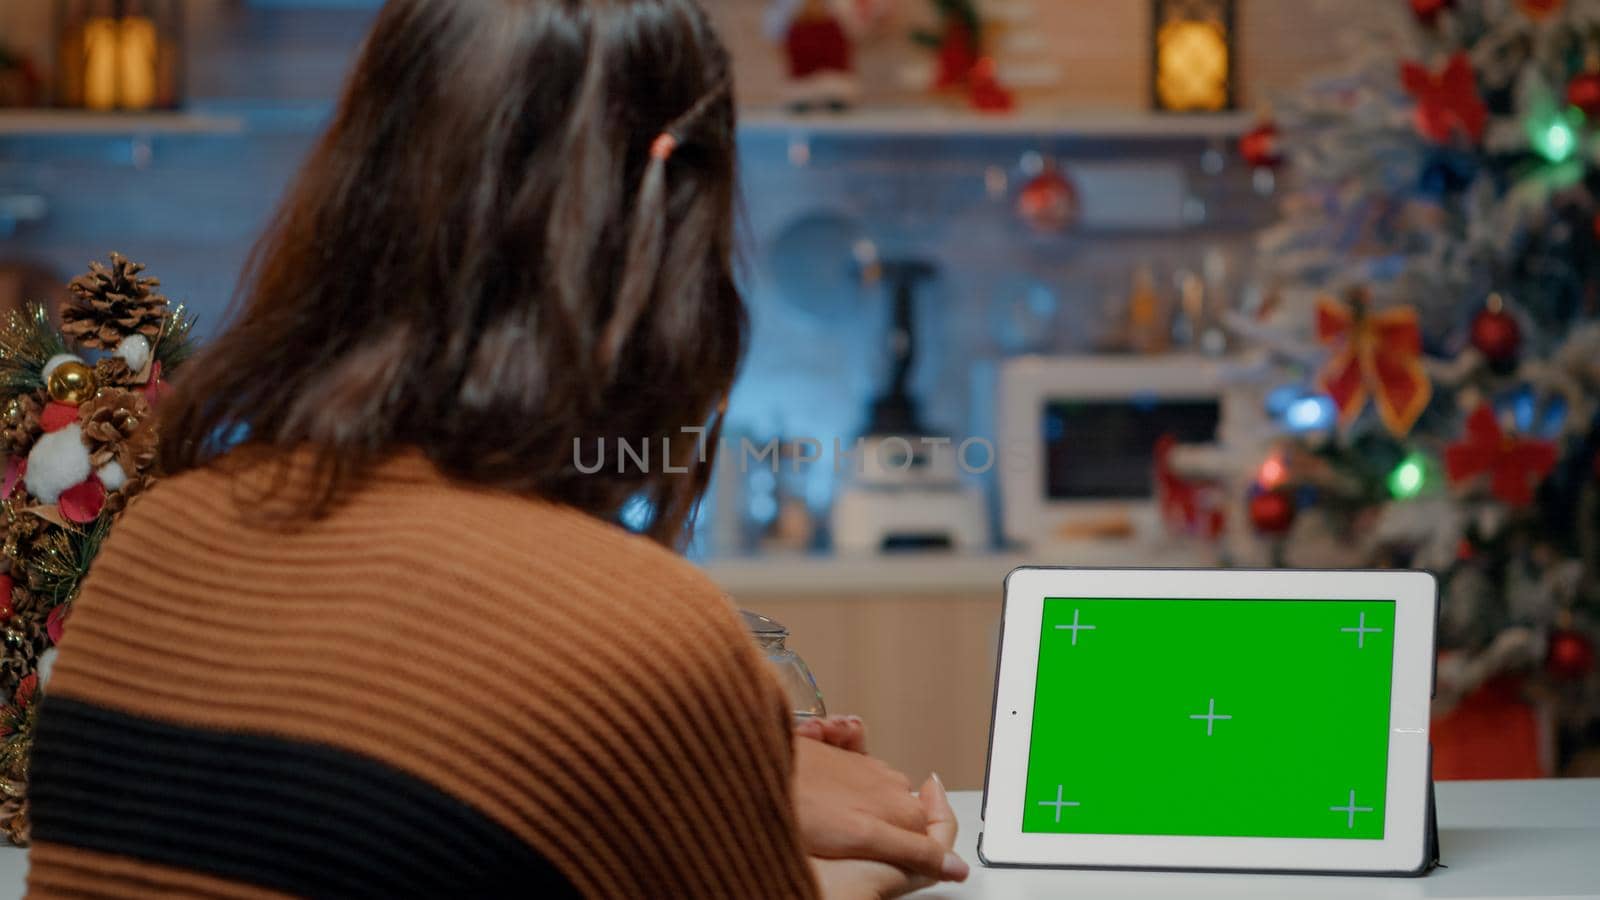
(1427, 11)
(1583, 91)
(1496, 334)
(1571, 655)
(1049, 202)
(1259, 146)
(1272, 512)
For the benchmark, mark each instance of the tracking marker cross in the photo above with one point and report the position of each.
(1074, 628)
(1058, 803)
(1350, 810)
(1211, 716)
(1361, 631)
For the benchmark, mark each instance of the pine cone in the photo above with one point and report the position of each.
(24, 602)
(22, 532)
(111, 371)
(19, 425)
(116, 425)
(14, 818)
(118, 500)
(110, 303)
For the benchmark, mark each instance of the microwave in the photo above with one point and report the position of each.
(1078, 434)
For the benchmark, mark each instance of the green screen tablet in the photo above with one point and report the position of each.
(1215, 719)
(1227, 718)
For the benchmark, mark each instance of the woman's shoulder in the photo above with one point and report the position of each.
(505, 592)
(486, 554)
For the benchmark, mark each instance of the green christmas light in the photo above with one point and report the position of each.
(1408, 479)
(1556, 138)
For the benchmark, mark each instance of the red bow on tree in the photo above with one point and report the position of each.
(1514, 465)
(1447, 99)
(1377, 355)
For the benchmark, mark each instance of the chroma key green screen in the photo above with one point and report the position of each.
(1227, 718)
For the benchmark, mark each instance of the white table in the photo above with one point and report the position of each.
(1521, 839)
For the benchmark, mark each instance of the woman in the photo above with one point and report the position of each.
(394, 644)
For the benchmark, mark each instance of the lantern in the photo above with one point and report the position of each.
(119, 54)
(1192, 55)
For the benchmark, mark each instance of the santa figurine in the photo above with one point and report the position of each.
(818, 40)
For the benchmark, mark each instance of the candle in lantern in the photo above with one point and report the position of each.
(120, 54)
(1192, 48)
(137, 60)
(99, 43)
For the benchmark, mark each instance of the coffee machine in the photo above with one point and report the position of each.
(903, 488)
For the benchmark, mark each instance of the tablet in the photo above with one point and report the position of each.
(1212, 720)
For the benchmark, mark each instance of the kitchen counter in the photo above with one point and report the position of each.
(794, 574)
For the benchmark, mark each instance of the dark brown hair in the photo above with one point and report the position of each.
(483, 259)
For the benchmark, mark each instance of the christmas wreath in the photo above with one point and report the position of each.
(79, 442)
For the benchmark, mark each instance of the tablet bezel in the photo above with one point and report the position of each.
(1402, 850)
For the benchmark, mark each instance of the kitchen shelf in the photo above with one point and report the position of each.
(935, 123)
(856, 124)
(75, 123)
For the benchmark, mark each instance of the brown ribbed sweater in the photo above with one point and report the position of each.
(436, 690)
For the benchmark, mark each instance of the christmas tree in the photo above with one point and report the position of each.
(1426, 345)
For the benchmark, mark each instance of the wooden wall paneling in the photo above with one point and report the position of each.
(919, 669)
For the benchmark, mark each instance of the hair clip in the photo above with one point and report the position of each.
(665, 143)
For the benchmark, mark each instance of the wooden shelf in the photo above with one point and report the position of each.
(856, 124)
(73, 123)
(934, 123)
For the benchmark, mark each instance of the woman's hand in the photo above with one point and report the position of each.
(854, 807)
(844, 732)
(854, 879)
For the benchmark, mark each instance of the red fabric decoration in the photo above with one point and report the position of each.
(986, 91)
(1447, 100)
(1493, 733)
(57, 416)
(1515, 466)
(56, 622)
(16, 467)
(6, 612)
(155, 388)
(81, 503)
(1583, 91)
(817, 44)
(957, 56)
(1377, 355)
(26, 688)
